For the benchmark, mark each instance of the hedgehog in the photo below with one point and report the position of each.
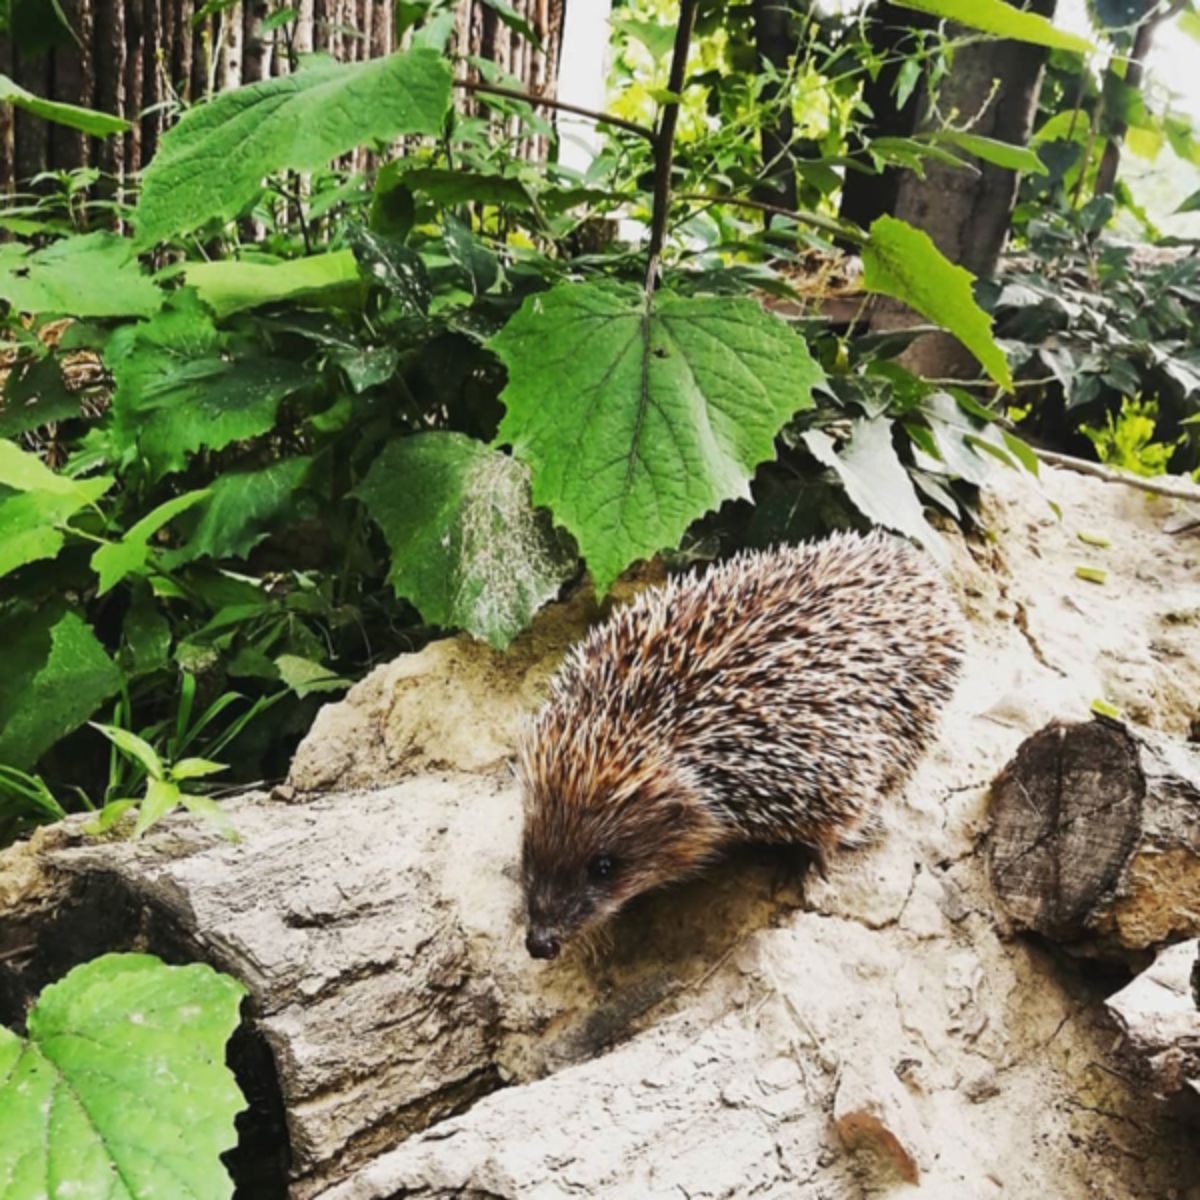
(772, 700)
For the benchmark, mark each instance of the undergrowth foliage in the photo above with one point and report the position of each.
(297, 419)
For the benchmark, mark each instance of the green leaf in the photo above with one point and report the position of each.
(1191, 204)
(135, 747)
(183, 385)
(876, 481)
(671, 405)
(1003, 20)
(209, 811)
(115, 560)
(1189, 23)
(230, 286)
(452, 188)
(468, 549)
(304, 676)
(96, 123)
(121, 1091)
(196, 768)
(211, 165)
(468, 252)
(1002, 154)
(30, 522)
(903, 262)
(239, 512)
(34, 395)
(55, 676)
(161, 799)
(108, 816)
(27, 473)
(90, 275)
(146, 635)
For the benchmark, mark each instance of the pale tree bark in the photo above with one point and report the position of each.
(992, 90)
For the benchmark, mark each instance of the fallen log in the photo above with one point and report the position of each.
(380, 936)
(1095, 837)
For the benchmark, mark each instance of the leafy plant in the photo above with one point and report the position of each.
(331, 413)
(120, 1087)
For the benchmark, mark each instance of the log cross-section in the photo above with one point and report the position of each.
(1095, 835)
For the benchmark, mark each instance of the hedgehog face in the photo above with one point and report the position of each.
(585, 857)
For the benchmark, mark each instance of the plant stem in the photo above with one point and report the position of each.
(492, 89)
(664, 140)
(816, 220)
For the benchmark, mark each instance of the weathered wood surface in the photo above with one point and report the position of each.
(1095, 836)
(1159, 1013)
(380, 936)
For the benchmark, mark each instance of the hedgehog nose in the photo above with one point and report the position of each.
(541, 944)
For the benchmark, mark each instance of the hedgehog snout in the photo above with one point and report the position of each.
(542, 944)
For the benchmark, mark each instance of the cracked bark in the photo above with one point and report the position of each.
(1094, 836)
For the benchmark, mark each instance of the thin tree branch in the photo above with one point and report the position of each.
(664, 140)
(1176, 489)
(492, 89)
(816, 220)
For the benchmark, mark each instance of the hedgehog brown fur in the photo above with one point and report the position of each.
(771, 699)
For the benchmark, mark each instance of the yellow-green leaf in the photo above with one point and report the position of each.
(903, 262)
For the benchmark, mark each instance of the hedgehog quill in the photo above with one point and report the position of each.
(772, 699)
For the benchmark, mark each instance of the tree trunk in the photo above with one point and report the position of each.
(866, 196)
(1110, 161)
(992, 90)
(1095, 837)
(132, 56)
(774, 43)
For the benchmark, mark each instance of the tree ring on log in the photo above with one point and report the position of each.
(1066, 815)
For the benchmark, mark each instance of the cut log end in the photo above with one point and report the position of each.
(1095, 836)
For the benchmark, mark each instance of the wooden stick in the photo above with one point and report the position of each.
(1178, 490)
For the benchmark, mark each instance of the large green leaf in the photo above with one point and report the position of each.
(96, 123)
(876, 481)
(1003, 20)
(903, 262)
(228, 286)
(56, 674)
(213, 162)
(638, 416)
(30, 522)
(239, 511)
(468, 548)
(90, 275)
(121, 1091)
(183, 384)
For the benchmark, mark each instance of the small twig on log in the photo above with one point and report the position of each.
(664, 140)
(1178, 490)
(492, 89)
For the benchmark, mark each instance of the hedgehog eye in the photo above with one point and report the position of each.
(601, 867)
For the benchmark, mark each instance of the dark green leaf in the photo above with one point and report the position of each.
(183, 385)
(240, 510)
(56, 674)
(468, 548)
